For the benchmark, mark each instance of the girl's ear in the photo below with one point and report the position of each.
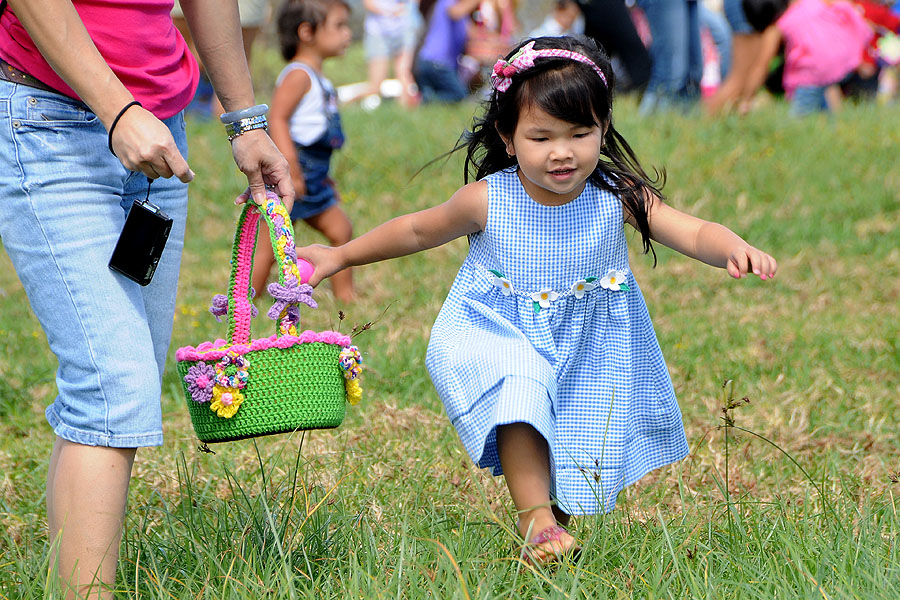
(510, 149)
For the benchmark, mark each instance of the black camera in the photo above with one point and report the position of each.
(141, 242)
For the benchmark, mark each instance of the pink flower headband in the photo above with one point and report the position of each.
(523, 60)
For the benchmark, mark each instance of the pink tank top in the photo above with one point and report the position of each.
(138, 41)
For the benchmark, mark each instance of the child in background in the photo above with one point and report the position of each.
(543, 353)
(824, 42)
(391, 31)
(305, 125)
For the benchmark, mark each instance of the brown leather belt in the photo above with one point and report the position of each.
(14, 75)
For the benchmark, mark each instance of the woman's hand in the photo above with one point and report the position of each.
(325, 259)
(257, 157)
(144, 143)
(744, 259)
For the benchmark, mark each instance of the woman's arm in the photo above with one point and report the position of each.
(141, 141)
(216, 29)
(285, 99)
(706, 241)
(464, 213)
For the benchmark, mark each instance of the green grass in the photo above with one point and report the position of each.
(389, 505)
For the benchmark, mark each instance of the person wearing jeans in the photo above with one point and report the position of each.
(79, 142)
(676, 54)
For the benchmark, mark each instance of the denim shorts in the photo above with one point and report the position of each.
(808, 99)
(63, 202)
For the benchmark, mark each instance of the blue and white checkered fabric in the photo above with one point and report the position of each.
(586, 372)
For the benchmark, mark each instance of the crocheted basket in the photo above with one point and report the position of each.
(240, 388)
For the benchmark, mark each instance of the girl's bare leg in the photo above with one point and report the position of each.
(334, 225)
(87, 488)
(525, 459)
(403, 65)
(262, 262)
(378, 70)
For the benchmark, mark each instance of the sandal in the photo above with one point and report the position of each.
(533, 555)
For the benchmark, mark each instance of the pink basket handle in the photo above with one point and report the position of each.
(288, 293)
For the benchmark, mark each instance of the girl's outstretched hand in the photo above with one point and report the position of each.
(745, 260)
(325, 259)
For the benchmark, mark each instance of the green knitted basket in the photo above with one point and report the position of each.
(242, 388)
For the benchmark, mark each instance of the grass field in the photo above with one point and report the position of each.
(389, 505)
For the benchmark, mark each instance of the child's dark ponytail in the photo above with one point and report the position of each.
(574, 92)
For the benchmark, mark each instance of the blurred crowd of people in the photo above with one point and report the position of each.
(676, 54)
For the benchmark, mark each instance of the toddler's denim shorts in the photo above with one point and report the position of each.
(63, 202)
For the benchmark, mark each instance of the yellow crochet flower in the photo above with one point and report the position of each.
(226, 401)
(354, 391)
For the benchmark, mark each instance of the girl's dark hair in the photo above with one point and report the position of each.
(294, 13)
(762, 13)
(571, 91)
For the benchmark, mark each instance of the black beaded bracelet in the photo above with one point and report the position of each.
(116, 122)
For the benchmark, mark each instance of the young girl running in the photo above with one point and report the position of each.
(305, 124)
(543, 353)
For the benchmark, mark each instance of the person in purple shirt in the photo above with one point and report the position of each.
(436, 69)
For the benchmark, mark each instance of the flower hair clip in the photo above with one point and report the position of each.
(501, 78)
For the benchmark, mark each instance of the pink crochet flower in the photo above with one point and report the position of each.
(201, 379)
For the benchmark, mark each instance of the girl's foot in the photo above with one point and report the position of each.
(549, 545)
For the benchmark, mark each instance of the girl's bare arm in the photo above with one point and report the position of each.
(706, 241)
(464, 213)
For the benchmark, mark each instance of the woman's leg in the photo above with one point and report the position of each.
(334, 225)
(87, 488)
(64, 203)
(525, 460)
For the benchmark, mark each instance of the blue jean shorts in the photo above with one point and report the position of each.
(809, 99)
(63, 202)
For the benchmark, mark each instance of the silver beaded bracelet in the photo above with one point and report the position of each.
(242, 126)
(244, 113)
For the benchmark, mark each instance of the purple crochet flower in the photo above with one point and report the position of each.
(219, 306)
(289, 294)
(201, 378)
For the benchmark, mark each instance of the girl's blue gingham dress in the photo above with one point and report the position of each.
(587, 372)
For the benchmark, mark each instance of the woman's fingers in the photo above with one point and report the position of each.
(144, 143)
(259, 159)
